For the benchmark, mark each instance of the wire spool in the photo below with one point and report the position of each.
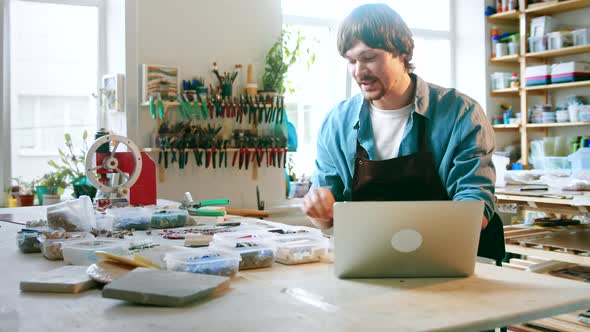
(111, 163)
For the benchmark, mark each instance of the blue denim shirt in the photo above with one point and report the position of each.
(459, 135)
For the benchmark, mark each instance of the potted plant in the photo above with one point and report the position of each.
(298, 187)
(53, 181)
(72, 165)
(285, 52)
(26, 192)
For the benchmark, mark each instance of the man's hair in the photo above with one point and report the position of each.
(378, 26)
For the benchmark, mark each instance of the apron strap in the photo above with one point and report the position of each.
(424, 146)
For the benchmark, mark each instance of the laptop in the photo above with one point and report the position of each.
(406, 239)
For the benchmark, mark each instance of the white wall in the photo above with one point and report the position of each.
(192, 35)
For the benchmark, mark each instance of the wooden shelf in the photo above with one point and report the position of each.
(505, 16)
(506, 126)
(519, 21)
(559, 256)
(560, 52)
(559, 86)
(509, 59)
(558, 7)
(165, 102)
(502, 92)
(557, 124)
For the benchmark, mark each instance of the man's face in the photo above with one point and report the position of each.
(376, 71)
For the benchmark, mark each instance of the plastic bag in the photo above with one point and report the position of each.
(74, 216)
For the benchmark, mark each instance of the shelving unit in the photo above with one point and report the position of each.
(520, 21)
(507, 127)
(558, 124)
(505, 16)
(509, 59)
(559, 86)
(501, 92)
(558, 7)
(559, 52)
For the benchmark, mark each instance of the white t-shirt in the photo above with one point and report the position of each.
(388, 130)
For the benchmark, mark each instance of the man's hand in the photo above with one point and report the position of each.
(484, 222)
(318, 204)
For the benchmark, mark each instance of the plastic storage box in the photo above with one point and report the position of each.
(580, 159)
(542, 25)
(27, 238)
(83, 252)
(581, 36)
(169, 218)
(203, 260)
(537, 44)
(571, 71)
(555, 163)
(52, 248)
(76, 215)
(255, 248)
(129, 218)
(584, 113)
(300, 249)
(559, 39)
(104, 221)
(501, 80)
(253, 255)
(538, 75)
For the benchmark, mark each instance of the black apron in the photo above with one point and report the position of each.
(415, 178)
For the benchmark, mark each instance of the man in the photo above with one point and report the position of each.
(401, 138)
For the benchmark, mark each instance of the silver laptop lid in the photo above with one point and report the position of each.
(406, 239)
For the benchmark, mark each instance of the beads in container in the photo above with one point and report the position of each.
(130, 218)
(298, 249)
(203, 260)
(168, 218)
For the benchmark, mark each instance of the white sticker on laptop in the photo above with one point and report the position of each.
(406, 240)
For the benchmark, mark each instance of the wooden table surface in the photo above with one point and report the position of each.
(295, 298)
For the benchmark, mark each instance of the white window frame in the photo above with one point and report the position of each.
(417, 33)
(5, 136)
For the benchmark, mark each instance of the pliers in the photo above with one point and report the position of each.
(152, 106)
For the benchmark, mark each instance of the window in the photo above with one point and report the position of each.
(327, 82)
(54, 60)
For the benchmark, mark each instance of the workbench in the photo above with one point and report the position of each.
(295, 298)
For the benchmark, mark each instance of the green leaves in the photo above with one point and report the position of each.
(285, 52)
(71, 164)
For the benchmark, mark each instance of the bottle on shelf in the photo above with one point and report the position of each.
(512, 5)
(514, 82)
(495, 33)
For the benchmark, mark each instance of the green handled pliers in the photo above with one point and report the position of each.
(160, 107)
(152, 107)
(194, 208)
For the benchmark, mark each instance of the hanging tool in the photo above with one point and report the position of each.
(247, 158)
(181, 107)
(152, 106)
(225, 152)
(160, 107)
(259, 203)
